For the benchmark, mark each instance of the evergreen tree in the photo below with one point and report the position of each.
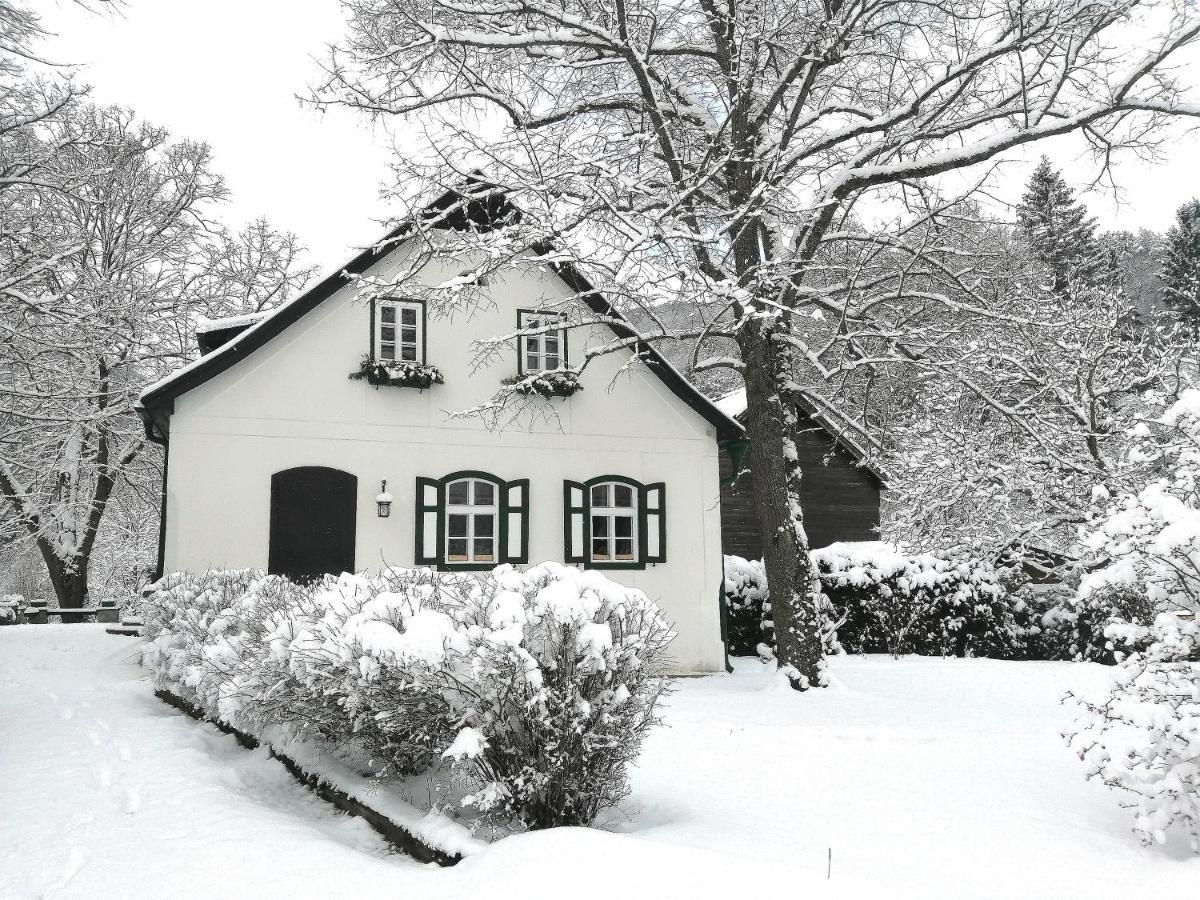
(1180, 274)
(1060, 232)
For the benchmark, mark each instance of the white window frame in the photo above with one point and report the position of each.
(398, 345)
(471, 509)
(529, 318)
(610, 512)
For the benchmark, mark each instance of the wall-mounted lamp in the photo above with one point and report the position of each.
(383, 502)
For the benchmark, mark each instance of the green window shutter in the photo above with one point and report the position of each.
(575, 515)
(654, 522)
(515, 510)
(431, 510)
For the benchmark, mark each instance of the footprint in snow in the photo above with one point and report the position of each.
(76, 860)
(133, 801)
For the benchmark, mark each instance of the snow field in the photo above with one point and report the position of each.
(925, 777)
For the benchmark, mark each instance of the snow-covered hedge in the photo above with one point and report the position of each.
(1142, 736)
(891, 602)
(1073, 628)
(536, 687)
(749, 629)
(883, 601)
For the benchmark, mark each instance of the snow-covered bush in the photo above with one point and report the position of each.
(889, 602)
(750, 630)
(1150, 534)
(747, 611)
(564, 669)
(1074, 628)
(1142, 735)
(538, 687)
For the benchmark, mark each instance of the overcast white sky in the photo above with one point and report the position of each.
(227, 72)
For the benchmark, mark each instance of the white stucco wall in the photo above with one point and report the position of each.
(290, 403)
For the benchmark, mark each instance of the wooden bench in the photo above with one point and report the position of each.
(39, 613)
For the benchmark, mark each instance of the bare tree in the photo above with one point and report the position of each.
(774, 160)
(119, 253)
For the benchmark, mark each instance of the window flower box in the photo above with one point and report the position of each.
(395, 373)
(556, 383)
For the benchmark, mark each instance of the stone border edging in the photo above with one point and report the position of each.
(396, 835)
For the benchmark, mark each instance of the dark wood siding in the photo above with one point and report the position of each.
(840, 499)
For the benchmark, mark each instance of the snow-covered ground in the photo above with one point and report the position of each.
(931, 778)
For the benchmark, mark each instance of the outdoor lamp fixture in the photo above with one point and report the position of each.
(384, 501)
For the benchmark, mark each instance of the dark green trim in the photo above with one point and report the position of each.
(661, 556)
(523, 556)
(569, 510)
(737, 450)
(639, 492)
(418, 301)
(564, 356)
(439, 509)
(503, 510)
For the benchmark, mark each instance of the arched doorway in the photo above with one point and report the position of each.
(312, 522)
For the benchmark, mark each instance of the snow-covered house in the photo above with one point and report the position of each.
(277, 459)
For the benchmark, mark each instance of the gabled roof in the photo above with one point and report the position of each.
(157, 402)
(844, 432)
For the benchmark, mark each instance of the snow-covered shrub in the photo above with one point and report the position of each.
(1142, 735)
(748, 621)
(538, 686)
(750, 627)
(564, 669)
(889, 602)
(1150, 535)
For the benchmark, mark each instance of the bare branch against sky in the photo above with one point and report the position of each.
(230, 77)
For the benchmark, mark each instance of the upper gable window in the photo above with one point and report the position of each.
(545, 349)
(399, 331)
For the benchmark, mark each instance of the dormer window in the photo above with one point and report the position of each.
(399, 331)
(542, 346)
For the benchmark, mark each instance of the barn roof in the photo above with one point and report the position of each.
(157, 401)
(844, 432)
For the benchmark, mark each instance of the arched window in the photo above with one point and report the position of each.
(614, 522)
(614, 513)
(472, 520)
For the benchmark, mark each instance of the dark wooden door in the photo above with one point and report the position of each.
(312, 522)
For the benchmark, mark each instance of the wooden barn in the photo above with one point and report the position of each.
(841, 488)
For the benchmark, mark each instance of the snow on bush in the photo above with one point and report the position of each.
(1150, 534)
(897, 603)
(538, 687)
(882, 601)
(749, 629)
(1143, 735)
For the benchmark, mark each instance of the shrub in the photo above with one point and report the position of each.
(10, 605)
(748, 623)
(1142, 734)
(538, 686)
(889, 602)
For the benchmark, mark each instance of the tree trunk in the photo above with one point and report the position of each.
(69, 577)
(791, 579)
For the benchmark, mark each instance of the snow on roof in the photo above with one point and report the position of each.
(204, 325)
(224, 348)
(847, 433)
(732, 404)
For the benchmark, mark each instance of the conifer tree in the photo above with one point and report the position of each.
(1060, 232)
(1180, 274)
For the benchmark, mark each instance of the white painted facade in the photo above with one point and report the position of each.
(290, 403)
